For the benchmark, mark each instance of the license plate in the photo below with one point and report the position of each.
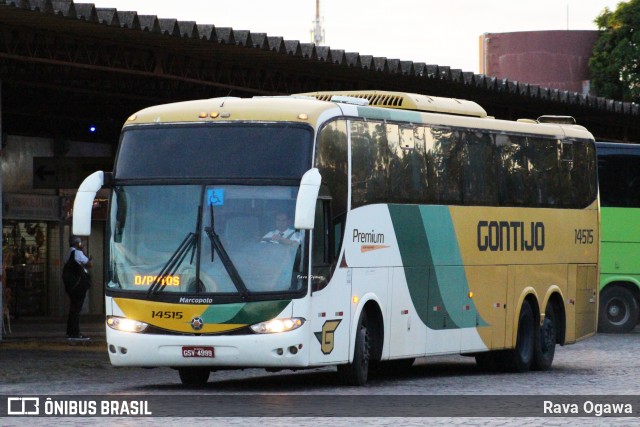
(190, 351)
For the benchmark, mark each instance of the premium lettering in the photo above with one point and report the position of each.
(372, 237)
(497, 236)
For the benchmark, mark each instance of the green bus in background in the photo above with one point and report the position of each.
(619, 177)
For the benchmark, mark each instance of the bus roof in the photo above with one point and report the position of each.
(282, 108)
(407, 101)
(312, 107)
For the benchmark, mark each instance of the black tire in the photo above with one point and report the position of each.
(487, 361)
(618, 310)
(194, 377)
(545, 348)
(520, 358)
(357, 372)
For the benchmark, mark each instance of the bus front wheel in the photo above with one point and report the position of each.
(618, 310)
(194, 376)
(357, 372)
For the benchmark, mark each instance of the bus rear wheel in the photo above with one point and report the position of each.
(357, 372)
(545, 348)
(194, 376)
(618, 310)
(521, 357)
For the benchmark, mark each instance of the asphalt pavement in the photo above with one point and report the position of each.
(37, 359)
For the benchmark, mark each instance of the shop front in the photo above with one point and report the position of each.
(30, 230)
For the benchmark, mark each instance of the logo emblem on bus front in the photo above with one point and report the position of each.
(197, 323)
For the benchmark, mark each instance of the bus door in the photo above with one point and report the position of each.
(330, 312)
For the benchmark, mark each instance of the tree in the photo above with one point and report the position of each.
(615, 61)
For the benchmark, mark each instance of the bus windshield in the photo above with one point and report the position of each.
(223, 239)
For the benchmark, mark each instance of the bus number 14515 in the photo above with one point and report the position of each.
(583, 236)
(166, 314)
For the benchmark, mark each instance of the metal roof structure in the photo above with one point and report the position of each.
(65, 66)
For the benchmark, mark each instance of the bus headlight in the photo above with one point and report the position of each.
(274, 326)
(126, 325)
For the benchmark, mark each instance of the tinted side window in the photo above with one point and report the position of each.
(619, 178)
(407, 163)
(482, 169)
(448, 164)
(514, 187)
(332, 162)
(584, 184)
(544, 171)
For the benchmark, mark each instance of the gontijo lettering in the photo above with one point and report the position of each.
(510, 236)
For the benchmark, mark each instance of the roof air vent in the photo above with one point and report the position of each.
(559, 120)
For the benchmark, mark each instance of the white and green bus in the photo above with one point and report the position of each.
(415, 226)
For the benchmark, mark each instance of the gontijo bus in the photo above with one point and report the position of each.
(425, 227)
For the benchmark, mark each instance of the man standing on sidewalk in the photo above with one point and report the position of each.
(76, 279)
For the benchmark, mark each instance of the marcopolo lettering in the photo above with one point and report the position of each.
(510, 236)
(185, 300)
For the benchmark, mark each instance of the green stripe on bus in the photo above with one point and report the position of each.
(255, 312)
(432, 262)
(449, 268)
(244, 313)
(418, 263)
(222, 313)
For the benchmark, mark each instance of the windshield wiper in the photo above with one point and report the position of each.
(191, 243)
(176, 259)
(216, 246)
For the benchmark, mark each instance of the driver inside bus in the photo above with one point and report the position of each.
(283, 234)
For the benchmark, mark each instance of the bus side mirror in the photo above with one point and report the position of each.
(83, 204)
(306, 201)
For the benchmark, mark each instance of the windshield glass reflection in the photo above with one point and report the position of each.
(218, 240)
